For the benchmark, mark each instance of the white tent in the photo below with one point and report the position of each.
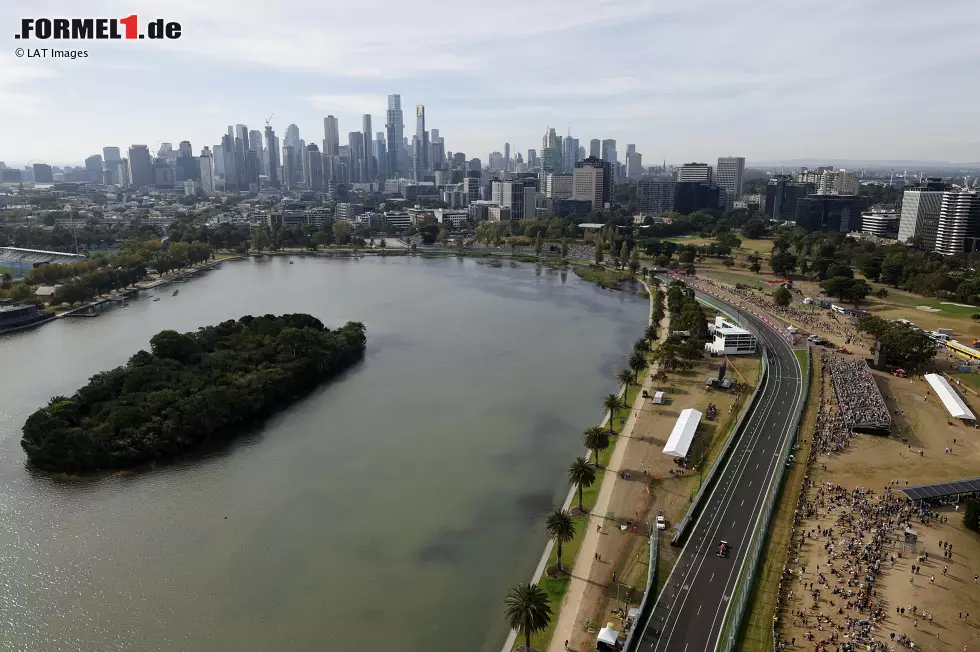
(608, 638)
(658, 398)
(681, 437)
(951, 400)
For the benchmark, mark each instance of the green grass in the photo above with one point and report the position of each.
(610, 279)
(971, 380)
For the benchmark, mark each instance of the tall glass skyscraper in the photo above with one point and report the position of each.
(395, 126)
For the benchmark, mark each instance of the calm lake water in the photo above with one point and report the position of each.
(390, 510)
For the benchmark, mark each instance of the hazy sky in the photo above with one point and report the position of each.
(683, 79)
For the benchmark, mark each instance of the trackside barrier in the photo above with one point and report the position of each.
(649, 597)
(739, 600)
(680, 530)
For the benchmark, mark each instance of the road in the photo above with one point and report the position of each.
(689, 613)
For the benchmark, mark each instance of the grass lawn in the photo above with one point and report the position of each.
(610, 279)
(971, 380)
(756, 634)
(758, 246)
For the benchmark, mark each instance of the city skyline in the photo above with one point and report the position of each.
(690, 81)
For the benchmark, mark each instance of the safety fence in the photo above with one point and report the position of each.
(739, 599)
(649, 596)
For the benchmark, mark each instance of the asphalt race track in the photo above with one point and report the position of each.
(689, 613)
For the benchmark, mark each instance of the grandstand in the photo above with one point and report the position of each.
(27, 258)
(963, 350)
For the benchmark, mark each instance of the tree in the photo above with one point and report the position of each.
(971, 515)
(260, 238)
(727, 262)
(342, 232)
(634, 260)
(624, 255)
(596, 439)
(782, 263)
(614, 404)
(564, 248)
(755, 266)
(528, 611)
(581, 474)
(650, 333)
(598, 253)
(561, 530)
(881, 293)
(906, 347)
(754, 229)
(538, 244)
(625, 376)
(782, 297)
(637, 362)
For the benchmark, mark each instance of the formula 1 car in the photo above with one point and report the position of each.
(723, 549)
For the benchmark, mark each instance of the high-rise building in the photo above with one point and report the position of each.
(206, 169)
(289, 176)
(958, 230)
(551, 154)
(355, 141)
(229, 171)
(331, 136)
(315, 162)
(634, 163)
(140, 166)
(255, 140)
(272, 156)
(518, 195)
(186, 167)
(691, 196)
(595, 148)
(292, 135)
(558, 186)
(729, 177)
(381, 155)
(569, 155)
(43, 173)
(111, 155)
(471, 186)
(367, 166)
(592, 180)
(782, 197)
(921, 204)
(184, 149)
(93, 168)
(695, 172)
(609, 151)
(420, 149)
(507, 163)
(437, 150)
(655, 196)
(395, 127)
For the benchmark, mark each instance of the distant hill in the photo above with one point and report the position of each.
(898, 164)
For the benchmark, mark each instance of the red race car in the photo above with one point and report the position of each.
(723, 549)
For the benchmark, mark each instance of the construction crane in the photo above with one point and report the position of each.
(267, 120)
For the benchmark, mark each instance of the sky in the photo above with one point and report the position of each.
(685, 80)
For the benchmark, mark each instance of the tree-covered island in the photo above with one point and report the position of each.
(187, 388)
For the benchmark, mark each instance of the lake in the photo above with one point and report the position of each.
(388, 510)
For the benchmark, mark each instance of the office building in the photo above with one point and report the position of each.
(254, 140)
(519, 196)
(693, 196)
(566, 207)
(558, 186)
(163, 174)
(507, 164)
(471, 186)
(111, 156)
(292, 135)
(206, 170)
(569, 155)
(272, 156)
(315, 163)
(958, 230)
(93, 169)
(331, 136)
(367, 165)
(729, 177)
(186, 167)
(289, 175)
(42, 173)
(420, 145)
(880, 223)
(634, 163)
(395, 127)
(655, 196)
(729, 339)
(355, 143)
(782, 196)
(609, 152)
(695, 172)
(840, 213)
(584, 182)
(921, 204)
(381, 156)
(140, 166)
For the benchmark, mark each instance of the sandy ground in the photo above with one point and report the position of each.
(876, 463)
(623, 554)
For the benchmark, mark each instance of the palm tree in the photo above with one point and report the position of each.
(613, 404)
(641, 344)
(651, 332)
(596, 439)
(527, 610)
(625, 376)
(581, 474)
(637, 363)
(561, 529)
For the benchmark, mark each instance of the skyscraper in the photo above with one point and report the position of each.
(206, 169)
(395, 127)
(695, 172)
(292, 135)
(255, 140)
(381, 156)
(920, 212)
(507, 164)
(729, 177)
(569, 154)
(289, 179)
(316, 167)
(959, 222)
(111, 155)
(594, 148)
(241, 131)
(634, 165)
(331, 136)
(140, 166)
(609, 151)
(420, 150)
(593, 185)
(355, 141)
(272, 157)
(367, 167)
(93, 168)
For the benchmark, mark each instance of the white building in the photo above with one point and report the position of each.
(454, 218)
(498, 213)
(190, 188)
(730, 339)
(587, 185)
(398, 219)
(880, 223)
(729, 177)
(696, 172)
(519, 196)
(959, 222)
(920, 210)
